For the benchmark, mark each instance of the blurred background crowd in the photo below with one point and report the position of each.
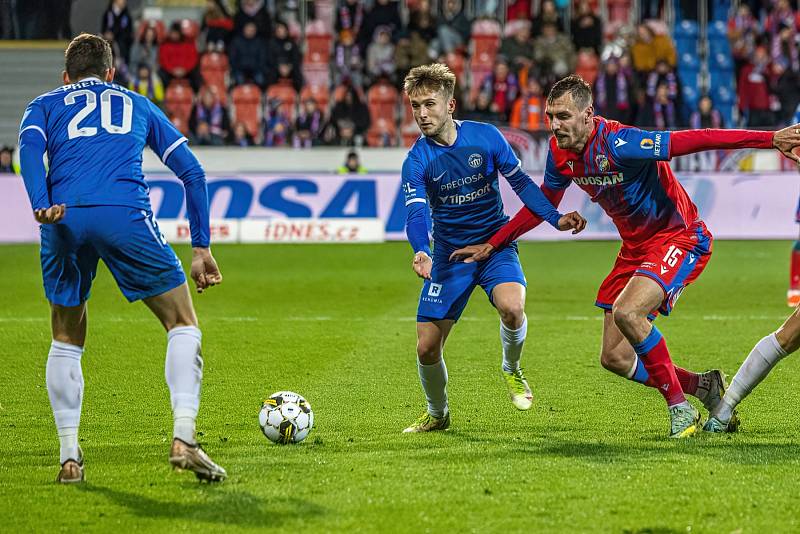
(300, 73)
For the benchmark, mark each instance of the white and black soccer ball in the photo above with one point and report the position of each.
(286, 417)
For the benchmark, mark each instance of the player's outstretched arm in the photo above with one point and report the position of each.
(690, 141)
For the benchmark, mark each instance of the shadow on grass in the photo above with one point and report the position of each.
(234, 507)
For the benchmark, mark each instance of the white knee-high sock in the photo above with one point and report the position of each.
(755, 368)
(65, 388)
(512, 341)
(184, 373)
(434, 383)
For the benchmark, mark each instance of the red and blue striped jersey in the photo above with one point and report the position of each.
(625, 171)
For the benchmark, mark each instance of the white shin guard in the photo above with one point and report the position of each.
(184, 374)
(64, 379)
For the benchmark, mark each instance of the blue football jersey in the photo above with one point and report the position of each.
(460, 184)
(95, 133)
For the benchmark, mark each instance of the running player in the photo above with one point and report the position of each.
(665, 244)
(452, 172)
(92, 204)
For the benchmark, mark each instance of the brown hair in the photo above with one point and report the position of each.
(434, 77)
(576, 86)
(87, 55)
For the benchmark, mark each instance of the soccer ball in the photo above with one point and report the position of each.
(286, 417)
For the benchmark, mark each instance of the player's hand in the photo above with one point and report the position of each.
(572, 221)
(422, 265)
(787, 139)
(205, 272)
(472, 253)
(50, 215)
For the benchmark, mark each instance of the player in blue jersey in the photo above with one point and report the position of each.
(452, 172)
(92, 204)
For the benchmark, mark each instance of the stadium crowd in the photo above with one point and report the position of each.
(241, 75)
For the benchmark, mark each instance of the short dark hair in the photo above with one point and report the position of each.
(88, 55)
(576, 86)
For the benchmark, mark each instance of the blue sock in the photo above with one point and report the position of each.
(640, 374)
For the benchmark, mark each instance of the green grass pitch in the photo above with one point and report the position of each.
(336, 324)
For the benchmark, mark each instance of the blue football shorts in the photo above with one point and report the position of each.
(445, 295)
(126, 239)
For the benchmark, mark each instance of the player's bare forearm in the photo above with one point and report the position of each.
(205, 271)
(473, 253)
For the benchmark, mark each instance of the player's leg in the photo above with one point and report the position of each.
(793, 294)
(509, 299)
(146, 268)
(640, 296)
(431, 337)
(69, 264)
(758, 364)
(441, 302)
(64, 378)
(617, 355)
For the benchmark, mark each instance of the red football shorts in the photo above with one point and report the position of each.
(673, 261)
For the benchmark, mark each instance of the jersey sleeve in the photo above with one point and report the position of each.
(633, 144)
(553, 179)
(416, 202)
(32, 148)
(162, 136)
(505, 159)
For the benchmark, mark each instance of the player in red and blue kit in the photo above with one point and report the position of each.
(665, 244)
(452, 173)
(92, 204)
(793, 294)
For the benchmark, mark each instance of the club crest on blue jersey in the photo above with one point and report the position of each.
(475, 160)
(602, 162)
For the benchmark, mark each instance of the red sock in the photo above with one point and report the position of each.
(794, 280)
(655, 356)
(688, 380)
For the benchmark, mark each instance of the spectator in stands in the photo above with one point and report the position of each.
(743, 31)
(502, 87)
(253, 11)
(308, 125)
(663, 74)
(518, 47)
(283, 50)
(209, 122)
(587, 29)
(277, 129)
(643, 114)
(7, 160)
(483, 110)
(240, 136)
(349, 17)
(381, 135)
(248, 57)
(753, 90)
(411, 50)
(342, 132)
(518, 10)
(352, 165)
(784, 47)
(352, 109)
(666, 114)
(121, 72)
(347, 64)
(178, 58)
(648, 49)
(380, 55)
(554, 53)
(145, 50)
(147, 83)
(217, 25)
(782, 14)
(613, 91)
(453, 30)
(785, 85)
(422, 21)
(117, 26)
(528, 111)
(706, 116)
(383, 13)
(548, 14)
